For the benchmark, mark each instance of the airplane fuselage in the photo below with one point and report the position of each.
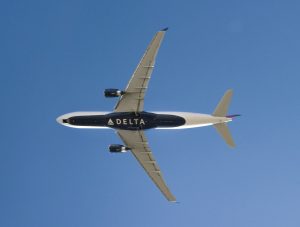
(139, 121)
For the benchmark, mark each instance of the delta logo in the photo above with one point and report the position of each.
(125, 121)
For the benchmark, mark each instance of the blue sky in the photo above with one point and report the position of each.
(58, 57)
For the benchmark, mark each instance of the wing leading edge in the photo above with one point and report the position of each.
(133, 99)
(137, 142)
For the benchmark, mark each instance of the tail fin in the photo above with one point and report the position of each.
(221, 111)
(222, 107)
(223, 130)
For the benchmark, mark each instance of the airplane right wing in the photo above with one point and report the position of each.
(138, 144)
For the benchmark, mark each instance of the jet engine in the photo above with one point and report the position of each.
(117, 148)
(112, 92)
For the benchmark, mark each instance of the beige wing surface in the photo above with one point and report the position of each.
(138, 144)
(133, 99)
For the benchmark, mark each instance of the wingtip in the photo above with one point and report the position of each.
(229, 91)
(173, 201)
(164, 29)
(232, 146)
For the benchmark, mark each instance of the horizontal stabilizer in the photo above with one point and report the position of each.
(222, 108)
(223, 130)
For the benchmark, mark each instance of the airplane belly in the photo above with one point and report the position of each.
(137, 121)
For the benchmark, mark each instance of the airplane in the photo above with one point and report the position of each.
(130, 120)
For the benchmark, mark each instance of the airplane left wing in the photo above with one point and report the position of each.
(133, 99)
(137, 142)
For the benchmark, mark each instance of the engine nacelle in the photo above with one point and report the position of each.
(112, 92)
(117, 148)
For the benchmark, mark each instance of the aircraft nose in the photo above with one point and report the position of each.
(61, 120)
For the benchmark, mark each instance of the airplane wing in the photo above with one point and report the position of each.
(138, 144)
(133, 99)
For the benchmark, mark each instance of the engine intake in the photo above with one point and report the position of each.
(117, 148)
(112, 92)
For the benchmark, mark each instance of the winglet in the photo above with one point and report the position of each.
(164, 29)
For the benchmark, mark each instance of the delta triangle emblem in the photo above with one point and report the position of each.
(110, 122)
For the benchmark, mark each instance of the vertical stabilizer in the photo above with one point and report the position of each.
(222, 107)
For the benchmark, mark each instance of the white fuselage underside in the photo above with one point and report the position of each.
(192, 120)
